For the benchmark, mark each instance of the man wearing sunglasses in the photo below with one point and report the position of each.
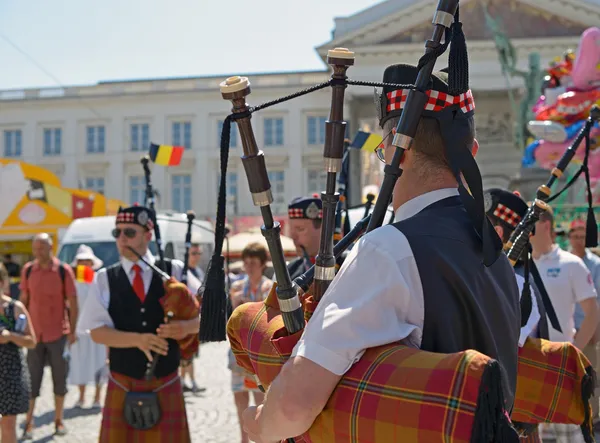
(124, 313)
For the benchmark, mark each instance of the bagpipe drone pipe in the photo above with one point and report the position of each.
(392, 387)
(178, 300)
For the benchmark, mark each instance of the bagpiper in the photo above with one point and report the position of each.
(144, 402)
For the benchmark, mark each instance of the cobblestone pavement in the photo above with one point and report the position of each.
(211, 414)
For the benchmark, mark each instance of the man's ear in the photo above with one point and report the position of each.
(499, 230)
(475, 147)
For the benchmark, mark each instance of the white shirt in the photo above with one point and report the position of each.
(567, 281)
(530, 328)
(375, 299)
(95, 312)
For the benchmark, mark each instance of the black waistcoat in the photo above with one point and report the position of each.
(542, 328)
(297, 267)
(467, 305)
(129, 314)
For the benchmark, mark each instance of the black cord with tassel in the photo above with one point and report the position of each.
(213, 318)
(526, 302)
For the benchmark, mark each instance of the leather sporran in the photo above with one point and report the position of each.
(142, 410)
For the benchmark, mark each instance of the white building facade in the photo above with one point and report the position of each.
(94, 136)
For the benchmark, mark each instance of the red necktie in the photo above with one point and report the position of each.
(138, 283)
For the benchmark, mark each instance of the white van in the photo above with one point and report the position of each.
(96, 232)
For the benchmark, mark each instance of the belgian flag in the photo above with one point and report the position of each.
(366, 140)
(166, 155)
(84, 274)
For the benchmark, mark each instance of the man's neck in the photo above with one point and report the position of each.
(540, 250)
(578, 252)
(46, 263)
(403, 193)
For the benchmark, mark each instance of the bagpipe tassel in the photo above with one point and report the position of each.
(213, 318)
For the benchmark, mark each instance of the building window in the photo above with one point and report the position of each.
(273, 131)
(95, 184)
(13, 143)
(316, 181)
(181, 188)
(233, 137)
(182, 134)
(95, 139)
(52, 141)
(140, 137)
(277, 179)
(137, 190)
(316, 130)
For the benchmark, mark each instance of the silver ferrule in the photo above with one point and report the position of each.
(402, 141)
(289, 304)
(442, 18)
(264, 198)
(333, 164)
(322, 273)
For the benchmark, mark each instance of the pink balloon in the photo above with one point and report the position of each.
(548, 154)
(586, 69)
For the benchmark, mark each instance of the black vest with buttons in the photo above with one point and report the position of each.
(129, 314)
(467, 305)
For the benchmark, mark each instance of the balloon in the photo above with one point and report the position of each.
(547, 154)
(570, 107)
(586, 68)
(547, 130)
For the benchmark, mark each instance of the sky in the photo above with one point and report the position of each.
(80, 42)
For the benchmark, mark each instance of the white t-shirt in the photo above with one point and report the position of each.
(567, 281)
(530, 328)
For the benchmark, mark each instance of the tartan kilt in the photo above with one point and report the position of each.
(555, 383)
(173, 426)
(392, 392)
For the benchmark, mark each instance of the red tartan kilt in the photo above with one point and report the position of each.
(554, 384)
(173, 427)
(393, 393)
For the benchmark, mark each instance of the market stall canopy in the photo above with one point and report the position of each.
(238, 242)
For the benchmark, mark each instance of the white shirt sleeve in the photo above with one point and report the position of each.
(534, 317)
(193, 283)
(95, 311)
(375, 299)
(581, 282)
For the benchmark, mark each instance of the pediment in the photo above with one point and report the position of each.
(518, 19)
(514, 18)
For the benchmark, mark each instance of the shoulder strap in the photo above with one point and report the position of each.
(10, 310)
(28, 270)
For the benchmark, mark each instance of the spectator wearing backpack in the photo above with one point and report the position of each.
(48, 292)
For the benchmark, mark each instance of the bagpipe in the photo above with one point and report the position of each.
(178, 300)
(430, 396)
(569, 378)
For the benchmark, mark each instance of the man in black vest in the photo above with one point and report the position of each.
(435, 279)
(123, 312)
(505, 210)
(305, 217)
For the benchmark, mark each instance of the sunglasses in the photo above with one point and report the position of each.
(196, 253)
(380, 150)
(128, 232)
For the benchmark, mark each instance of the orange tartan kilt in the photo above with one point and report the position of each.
(393, 392)
(555, 382)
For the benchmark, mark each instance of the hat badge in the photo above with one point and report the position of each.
(142, 218)
(312, 211)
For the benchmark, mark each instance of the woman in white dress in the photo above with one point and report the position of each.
(88, 363)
